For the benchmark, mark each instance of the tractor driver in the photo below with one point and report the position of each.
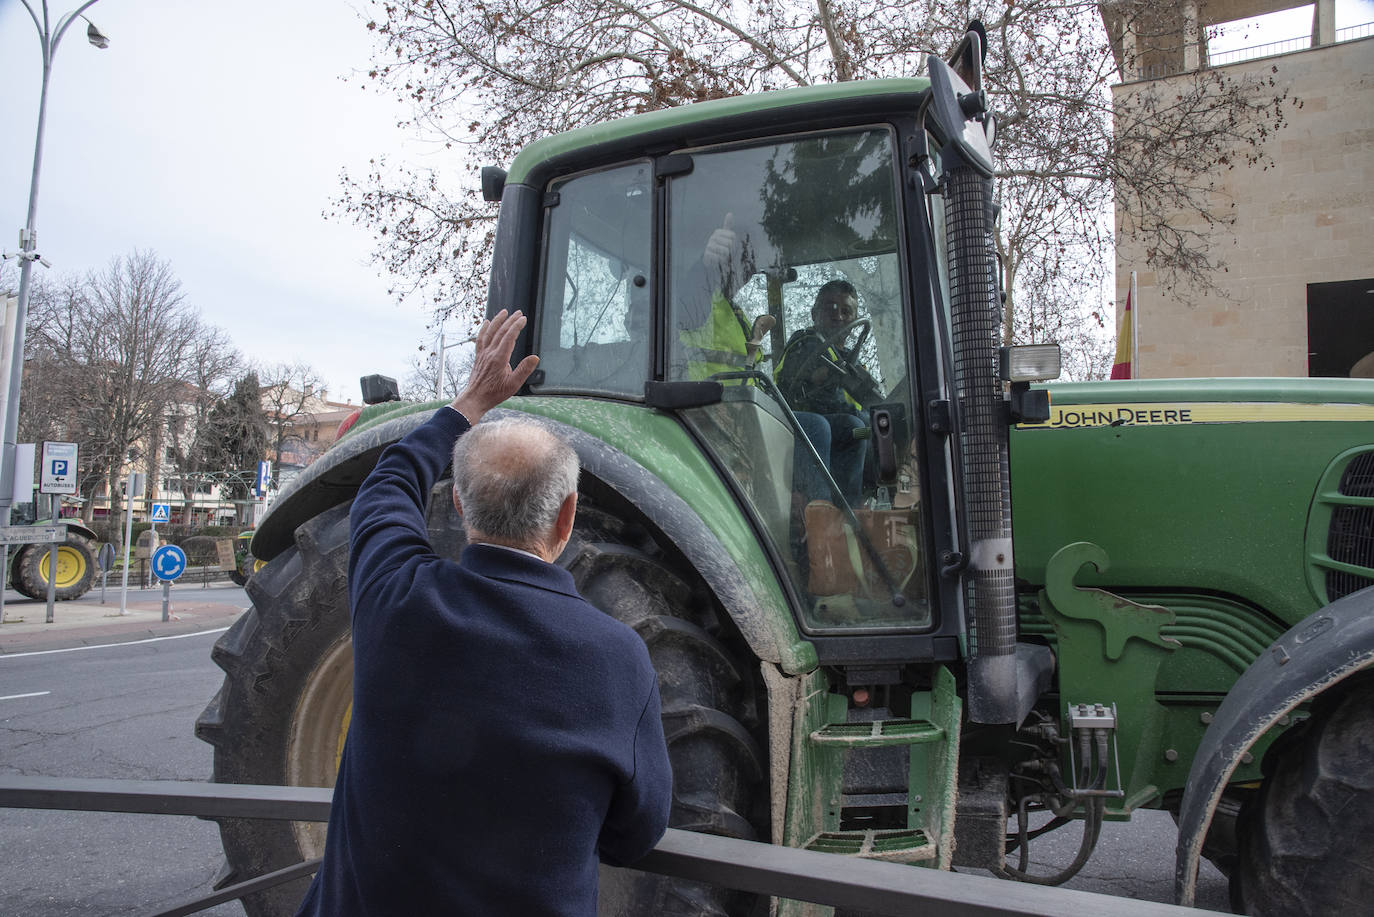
(828, 390)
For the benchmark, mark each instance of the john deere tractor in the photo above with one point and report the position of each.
(76, 562)
(1178, 619)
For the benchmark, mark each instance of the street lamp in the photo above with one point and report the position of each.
(439, 387)
(49, 35)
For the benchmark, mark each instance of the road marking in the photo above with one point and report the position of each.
(17, 696)
(102, 646)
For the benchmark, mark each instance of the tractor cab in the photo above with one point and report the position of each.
(779, 327)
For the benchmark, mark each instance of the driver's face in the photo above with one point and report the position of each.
(834, 311)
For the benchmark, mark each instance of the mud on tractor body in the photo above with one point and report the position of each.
(884, 668)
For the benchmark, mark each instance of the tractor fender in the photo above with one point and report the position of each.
(1320, 650)
(75, 526)
(336, 476)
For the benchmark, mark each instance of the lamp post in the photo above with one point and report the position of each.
(439, 386)
(49, 35)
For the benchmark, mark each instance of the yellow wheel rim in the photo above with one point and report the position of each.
(71, 566)
(318, 729)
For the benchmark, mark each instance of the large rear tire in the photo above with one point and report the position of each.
(75, 569)
(1307, 838)
(282, 712)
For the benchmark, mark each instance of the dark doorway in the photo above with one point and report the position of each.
(1340, 327)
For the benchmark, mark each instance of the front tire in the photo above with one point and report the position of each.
(282, 712)
(1307, 838)
(75, 569)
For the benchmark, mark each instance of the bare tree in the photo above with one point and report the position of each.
(105, 357)
(422, 382)
(541, 67)
(290, 391)
(188, 424)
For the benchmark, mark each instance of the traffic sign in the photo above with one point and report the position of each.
(169, 562)
(264, 478)
(162, 512)
(33, 534)
(57, 471)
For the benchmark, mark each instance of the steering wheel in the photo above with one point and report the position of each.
(846, 366)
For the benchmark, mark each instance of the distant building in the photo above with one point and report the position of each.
(1300, 255)
(305, 424)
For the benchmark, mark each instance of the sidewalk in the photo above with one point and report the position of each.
(86, 622)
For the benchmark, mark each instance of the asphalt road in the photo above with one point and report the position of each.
(119, 712)
(127, 712)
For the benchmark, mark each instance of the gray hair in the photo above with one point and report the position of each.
(511, 476)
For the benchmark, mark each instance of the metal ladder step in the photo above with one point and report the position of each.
(908, 845)
(878, 733)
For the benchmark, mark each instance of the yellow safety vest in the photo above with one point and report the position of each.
(720, 344)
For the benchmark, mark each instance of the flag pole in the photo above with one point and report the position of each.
(1135, 330)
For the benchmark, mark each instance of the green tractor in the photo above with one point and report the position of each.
(76, 559)
(891, 671)
(245, 564)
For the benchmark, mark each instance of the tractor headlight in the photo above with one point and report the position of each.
(1029, 363)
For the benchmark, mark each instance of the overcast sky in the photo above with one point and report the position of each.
(213, 134)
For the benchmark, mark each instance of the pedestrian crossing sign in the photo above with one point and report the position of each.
(162, 512)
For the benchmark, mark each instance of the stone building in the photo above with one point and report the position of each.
(1299, 286)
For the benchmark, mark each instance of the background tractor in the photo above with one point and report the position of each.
(76, 561)
(1175, 621)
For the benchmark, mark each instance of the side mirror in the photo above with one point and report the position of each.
(493, 183)
(958, 113)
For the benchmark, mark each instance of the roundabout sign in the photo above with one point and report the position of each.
(169, 562)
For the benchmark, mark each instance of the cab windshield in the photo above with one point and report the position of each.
(782, 278)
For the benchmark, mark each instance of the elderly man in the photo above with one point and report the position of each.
(505, 734)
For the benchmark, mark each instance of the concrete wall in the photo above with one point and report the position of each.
(1309, 219)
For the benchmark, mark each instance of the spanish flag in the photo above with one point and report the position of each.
(1125, 339)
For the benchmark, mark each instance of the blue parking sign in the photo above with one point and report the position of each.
(57, 468)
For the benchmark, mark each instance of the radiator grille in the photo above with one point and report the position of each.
(1358, 479)
(1340, 539)
(1350, 541)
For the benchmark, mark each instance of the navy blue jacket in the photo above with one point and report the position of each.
(505, 733)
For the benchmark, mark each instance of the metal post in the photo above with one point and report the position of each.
(4, 578)
(128, 537)
(52, 562)
(166, 599)
(439, 389)
(1135, 330)
(152, 546)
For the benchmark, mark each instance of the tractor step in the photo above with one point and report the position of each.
(878, 733)
(908, 845)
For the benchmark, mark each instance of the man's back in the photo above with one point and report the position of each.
(505, 734)
(497, 721)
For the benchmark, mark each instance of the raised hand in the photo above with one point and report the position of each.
(492, 379)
